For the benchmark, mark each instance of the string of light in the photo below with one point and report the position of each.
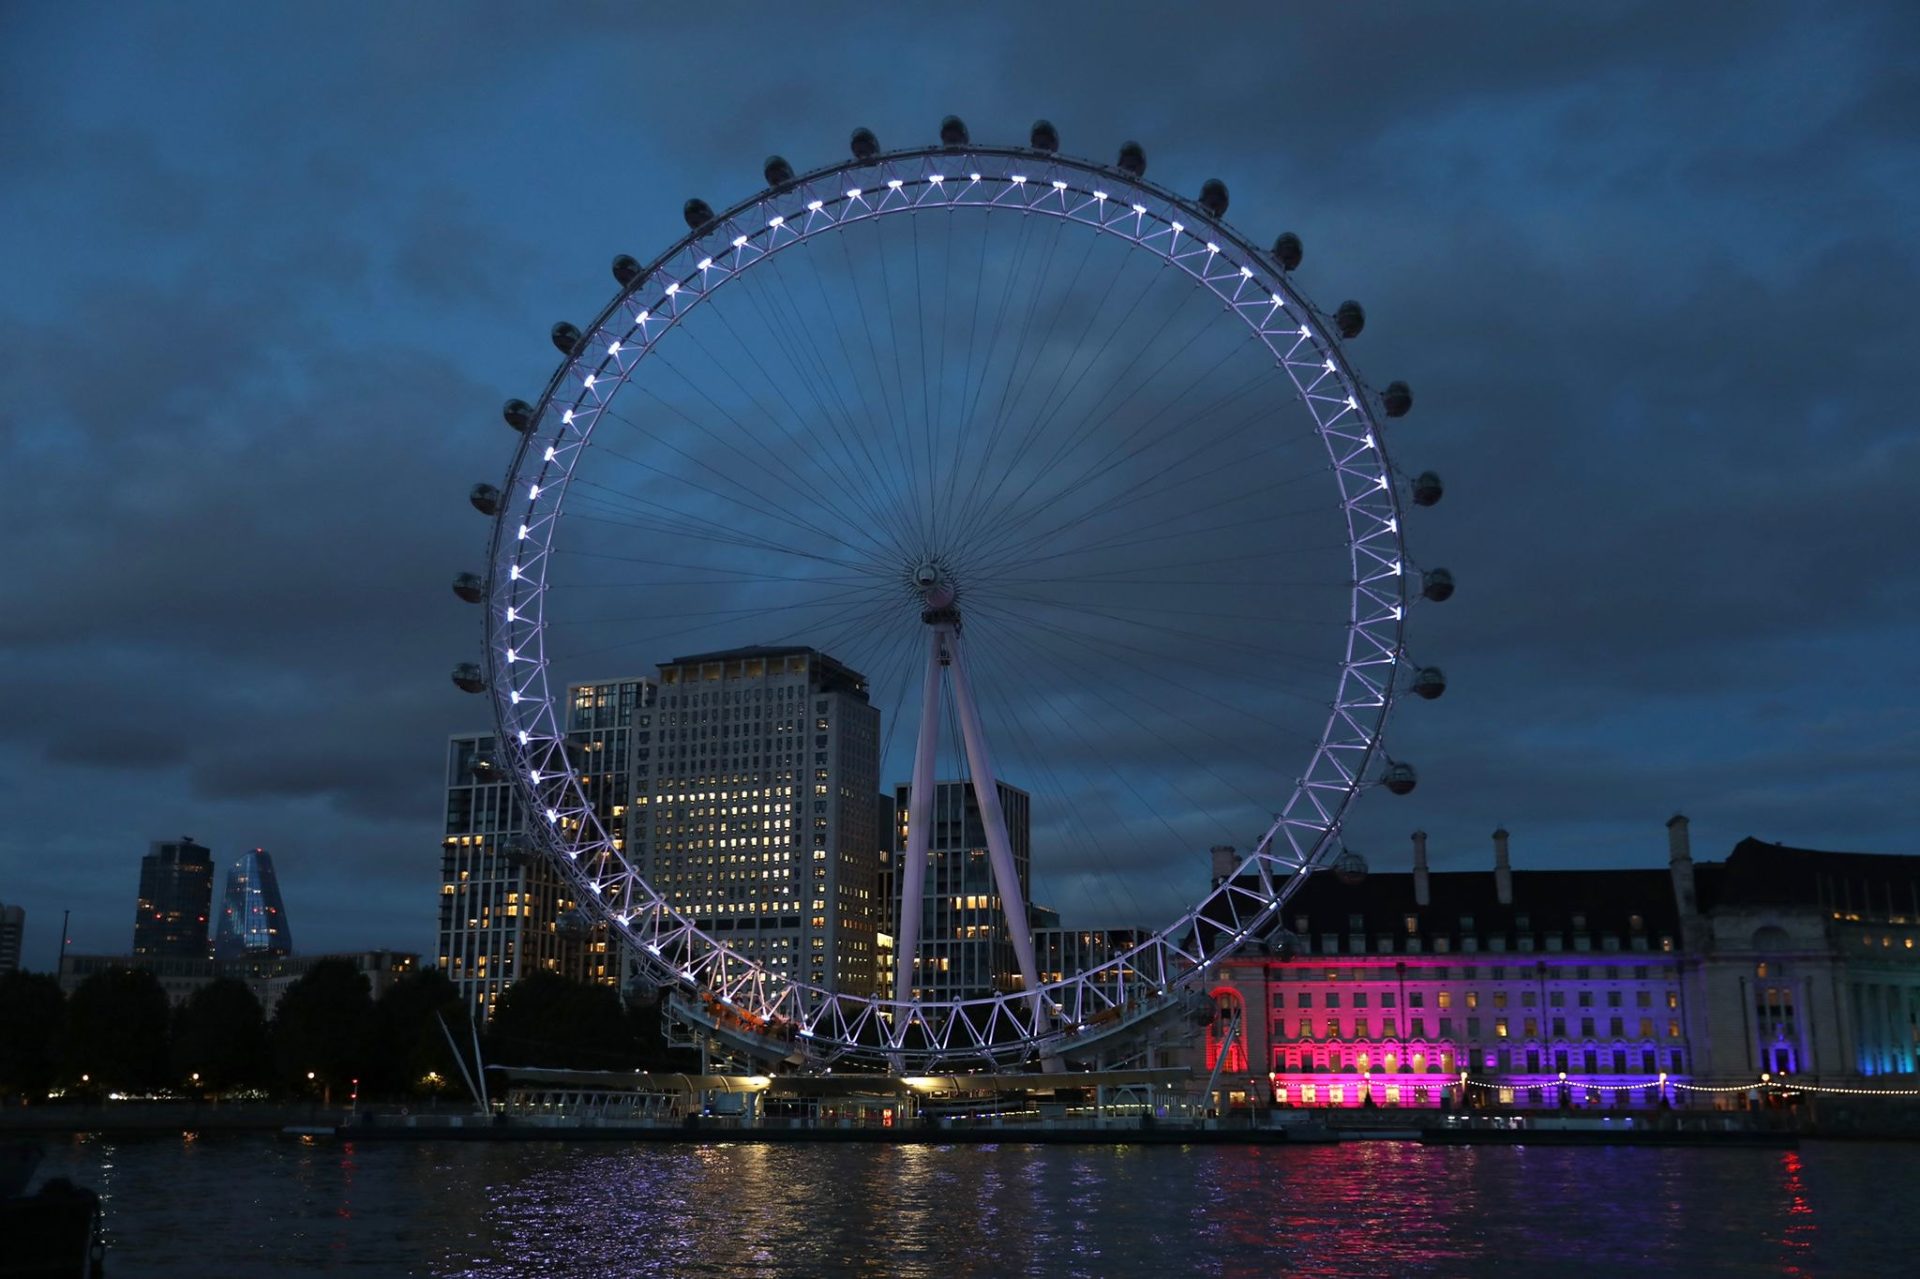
(1763, 1084)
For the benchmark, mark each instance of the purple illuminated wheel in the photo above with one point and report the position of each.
(1071, 477)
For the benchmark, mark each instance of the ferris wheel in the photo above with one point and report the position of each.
(1080, 491)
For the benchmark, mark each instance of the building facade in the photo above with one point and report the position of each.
(965, 946)
(755, 808)
(13, 929)
(267, 976)
(253, 920)
(176, 898)
(1616, 989)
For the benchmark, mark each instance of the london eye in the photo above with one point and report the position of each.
(1083, 495)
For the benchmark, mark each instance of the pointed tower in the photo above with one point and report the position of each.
(253, 923)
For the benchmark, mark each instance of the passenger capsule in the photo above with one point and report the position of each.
(1350, 319)
(777, 171)
(1044, 136)
(697, 212)
(953, 132)
(1436, 584)
(1133, 158)
(519, 414)
(567, 339)
(1400, 778)
(468, 678)
(1287, 250)
(1213, 198)
(1427, 488)
(625, 271)
(1396, 399)
(470, 587)
(485, 499)
(863, 144)
(1429, 682)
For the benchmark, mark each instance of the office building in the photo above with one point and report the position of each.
(176, 896)
(253, 920)
(755, 808)
(13, 927)
(505, 909)
(965, 947)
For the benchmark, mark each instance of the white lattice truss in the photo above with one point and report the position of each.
(821, 1024)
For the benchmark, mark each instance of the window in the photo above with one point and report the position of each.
(1359, 999)
(1673, 999)
(1499, 999)
(1416, 999)
(1445, 999)
(1586, 999)
(1306, 999)
(1333, 999)
(1500, 1027)
(1673, 1030)
(1413, 924)
(1473, 999)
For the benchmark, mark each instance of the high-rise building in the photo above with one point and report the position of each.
(506, 910)
(756, 808)
(13, 927)
(253, 921)
(176, 896)
(965, 946)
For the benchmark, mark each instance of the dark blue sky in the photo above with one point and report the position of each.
(270, 272)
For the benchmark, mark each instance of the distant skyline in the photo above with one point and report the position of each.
(1650, 271)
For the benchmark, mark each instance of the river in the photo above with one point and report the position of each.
(244, 1205)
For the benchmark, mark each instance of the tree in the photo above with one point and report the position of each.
(321, 1027)
(405, 1043)
(32, 1012)
(220, 1034)
(545, 1019)
(116, 1033)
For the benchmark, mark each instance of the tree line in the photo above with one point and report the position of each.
(328, 1037)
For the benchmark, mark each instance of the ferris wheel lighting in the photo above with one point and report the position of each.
(643, 317)
(704, 960)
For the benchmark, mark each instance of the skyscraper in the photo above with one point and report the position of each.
(755, 808)
(253, 922)
(965, 946)
(506, 910)
(176, 895)
(13, 927)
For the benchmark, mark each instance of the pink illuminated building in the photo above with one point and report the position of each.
(1614, 989)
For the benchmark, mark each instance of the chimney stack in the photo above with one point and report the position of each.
(1422, 889)
(1502, 869)
(1680, 865)
(1225, 858)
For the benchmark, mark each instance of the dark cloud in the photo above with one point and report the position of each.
(1648, 269)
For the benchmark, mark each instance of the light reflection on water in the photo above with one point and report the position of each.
(253, 1206)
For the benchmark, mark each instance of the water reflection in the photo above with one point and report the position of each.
(242, 1206)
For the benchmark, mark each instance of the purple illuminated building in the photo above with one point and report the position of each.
(1603, 989)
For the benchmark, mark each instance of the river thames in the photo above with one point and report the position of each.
(255, 1206)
